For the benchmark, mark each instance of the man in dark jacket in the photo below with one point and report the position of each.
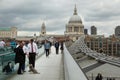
(19, 57)
(99, 77)
(57, 47)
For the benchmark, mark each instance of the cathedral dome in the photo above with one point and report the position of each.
(75, 18)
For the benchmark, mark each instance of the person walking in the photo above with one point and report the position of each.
(2, 44)
(33, 51)
(57, 47)
(99, 77)
(19, 57)
(61, 48)
(26, 52)
(13, 44)
(47, 48)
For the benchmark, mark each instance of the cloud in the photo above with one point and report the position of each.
(28, 15)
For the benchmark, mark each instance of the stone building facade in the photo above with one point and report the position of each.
(8, 32)
(109, 46)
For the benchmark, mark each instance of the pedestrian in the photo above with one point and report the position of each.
(19, 57)
(33, 51)
(57, 47)
(99, 77)
(110, 79)
(13, 44)
(47, 48)
(61, 48)
(26, 52)
(50, 46)
(2, 44)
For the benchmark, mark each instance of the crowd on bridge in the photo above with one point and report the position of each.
(29, 49)
(48, 44)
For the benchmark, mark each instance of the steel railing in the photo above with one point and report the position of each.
(71, 68)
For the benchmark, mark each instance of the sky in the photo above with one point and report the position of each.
(28, 15)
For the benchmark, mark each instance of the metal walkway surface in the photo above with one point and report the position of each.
(50, 68)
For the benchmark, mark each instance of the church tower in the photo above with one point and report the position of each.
(43, 30)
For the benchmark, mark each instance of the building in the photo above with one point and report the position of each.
(43, 30)
(117, 31)
(8, 32)
(74, 28)
(86, 31)
(93, 30)
(109, 46)
(24, 38)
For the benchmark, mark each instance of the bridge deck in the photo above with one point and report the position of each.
(50, 68)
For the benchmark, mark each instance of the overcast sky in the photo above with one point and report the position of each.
(28, 15)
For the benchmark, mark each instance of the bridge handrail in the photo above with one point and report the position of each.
(71, 68)
(6, 53)
(9, 57)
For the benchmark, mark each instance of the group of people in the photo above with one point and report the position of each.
(22, 49)
(30, 49)
(100, 77)
(57, 45)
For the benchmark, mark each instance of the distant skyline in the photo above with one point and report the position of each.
(28, 15)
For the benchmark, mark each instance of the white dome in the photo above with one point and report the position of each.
(75, 19)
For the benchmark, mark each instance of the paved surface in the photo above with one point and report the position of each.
(87, 62)
(50, 68)
(89, 68)
(107, 70)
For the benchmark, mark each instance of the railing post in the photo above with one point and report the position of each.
(2, 58)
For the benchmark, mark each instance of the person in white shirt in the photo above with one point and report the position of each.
(33, 50)
(2, 43)
(25, 48)
(26, 52)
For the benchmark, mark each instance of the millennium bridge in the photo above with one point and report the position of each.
(55, 67)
